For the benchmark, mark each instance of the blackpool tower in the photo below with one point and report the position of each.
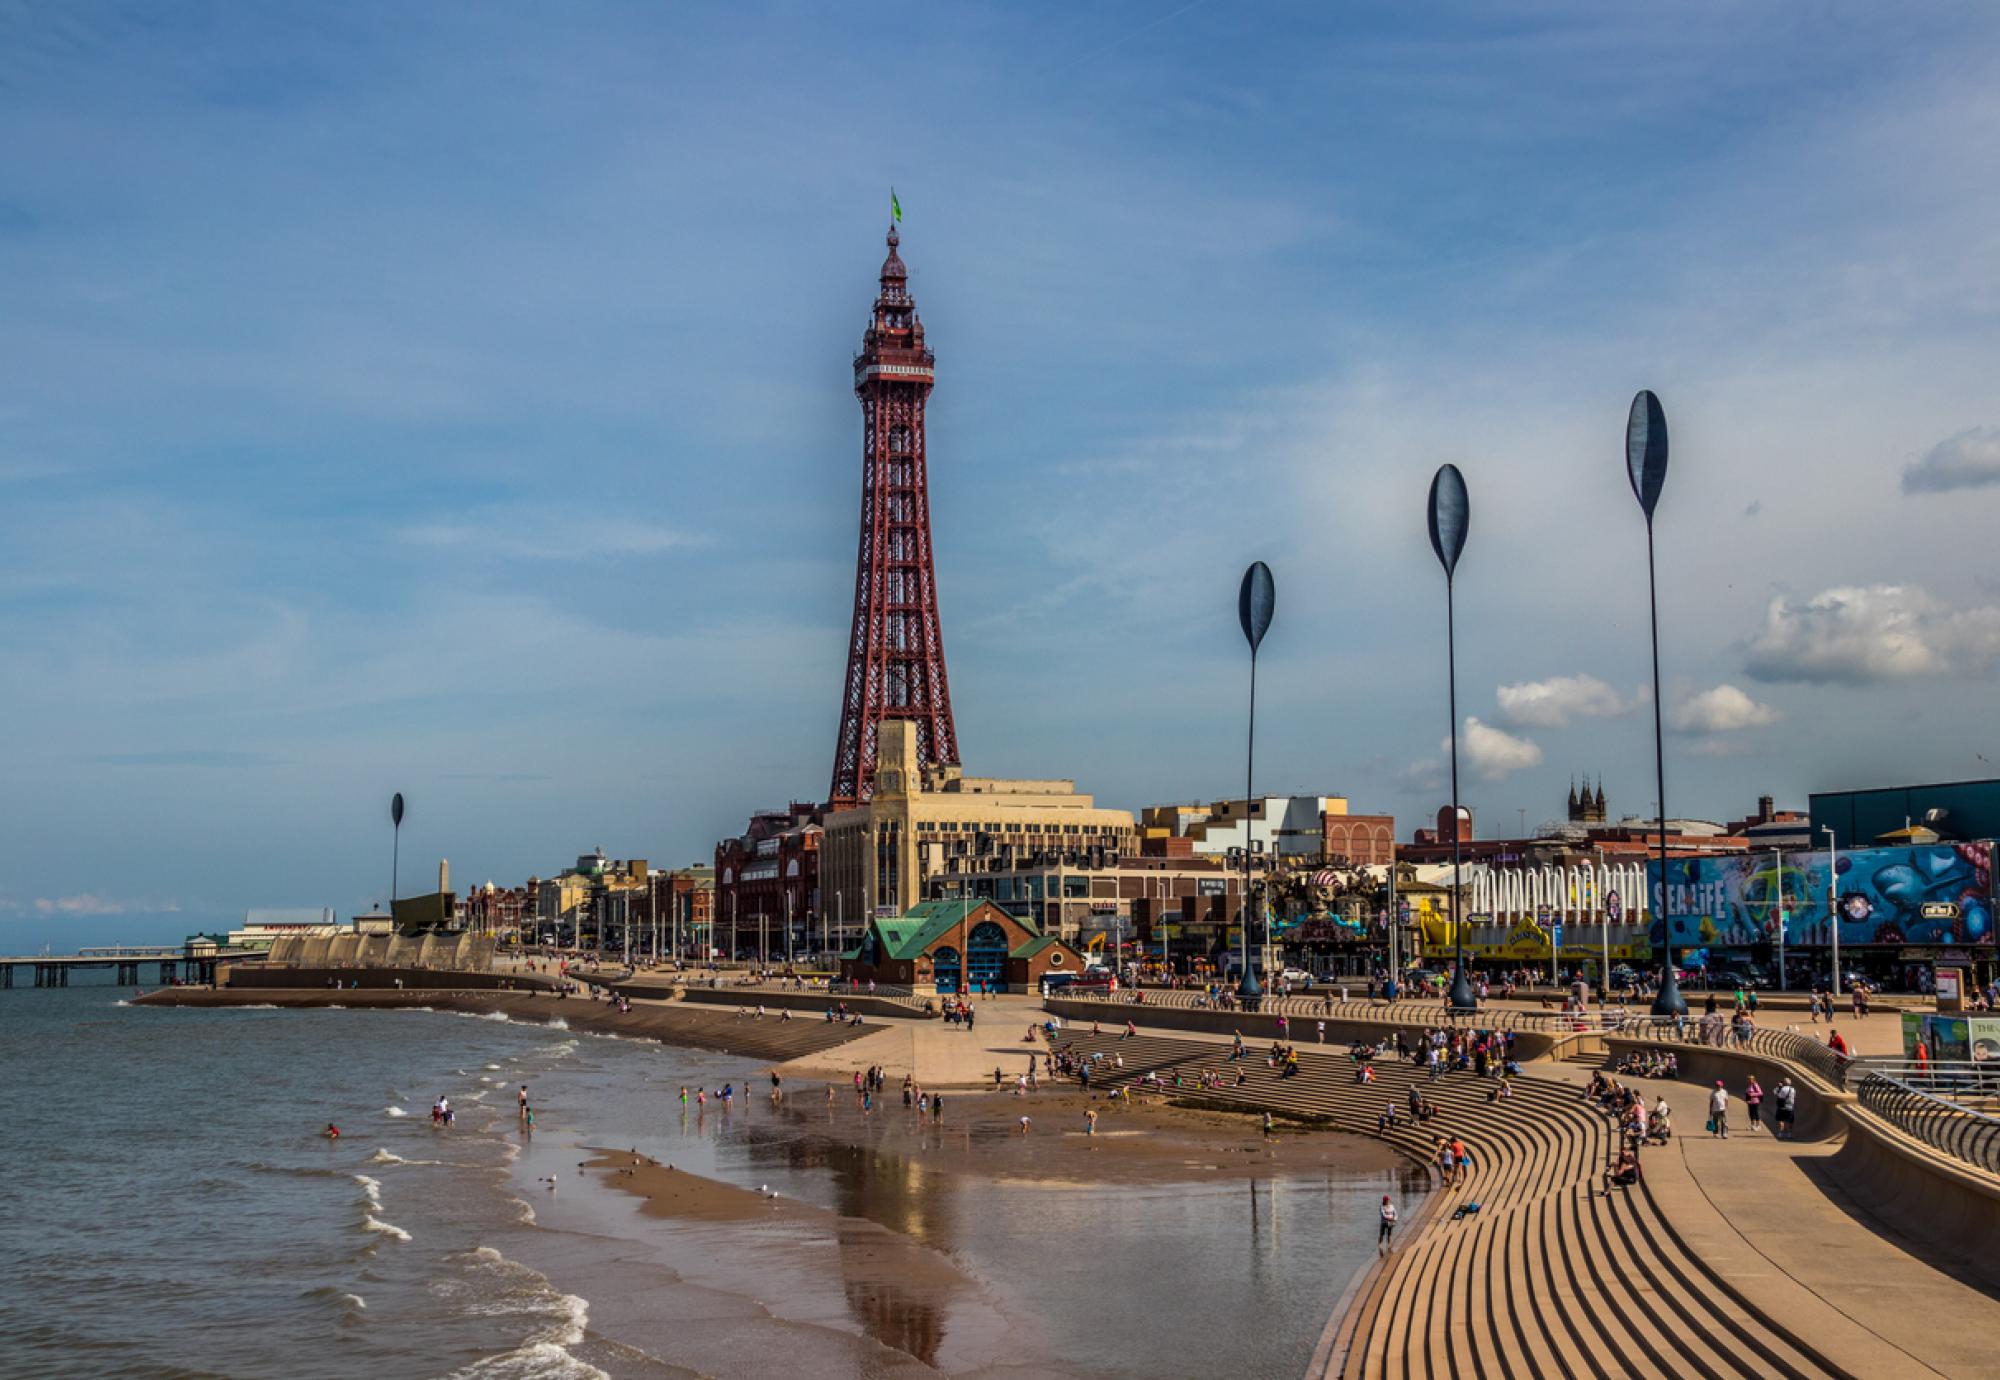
(895, 657)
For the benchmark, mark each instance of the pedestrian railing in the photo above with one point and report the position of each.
(1713, 1032)
(1957, 1080)
(1965, 1133)
(1785, 1046)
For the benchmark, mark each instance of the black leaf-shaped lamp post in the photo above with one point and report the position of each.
(1646, 467)
(1256, 600)
(1450, 520)
(396, 847)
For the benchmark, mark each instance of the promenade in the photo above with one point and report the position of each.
(1738, 1257)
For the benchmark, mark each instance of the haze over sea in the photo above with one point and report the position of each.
(173, 1210)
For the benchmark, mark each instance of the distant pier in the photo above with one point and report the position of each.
(174, 963)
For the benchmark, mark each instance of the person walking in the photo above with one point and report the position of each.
(1718, 1111)
(1787, 1098)
(1385, 1239)
(1753, 1100)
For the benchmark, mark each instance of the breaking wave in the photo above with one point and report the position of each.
(376, 1224)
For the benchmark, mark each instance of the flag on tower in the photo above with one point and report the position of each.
(895, 207)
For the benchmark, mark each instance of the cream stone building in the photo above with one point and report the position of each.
(878, 859)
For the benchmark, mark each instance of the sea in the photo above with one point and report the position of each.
(171, 1207)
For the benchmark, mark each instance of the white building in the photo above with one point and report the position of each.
(263, 926)
(1287, 825)
(1576, 894)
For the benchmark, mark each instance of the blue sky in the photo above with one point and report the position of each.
(456, 400)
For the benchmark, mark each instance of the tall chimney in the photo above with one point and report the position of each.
(444, 875)
(1766, 809)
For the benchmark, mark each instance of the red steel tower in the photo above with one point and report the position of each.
(895, 659)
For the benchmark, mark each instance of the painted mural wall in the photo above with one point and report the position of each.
(1932, 895)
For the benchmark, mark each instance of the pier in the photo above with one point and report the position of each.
(175, 963)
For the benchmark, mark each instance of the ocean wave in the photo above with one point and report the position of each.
(533, 1361)
(334, 1294)
(256, 1006)
(557, 1023)
(479, 1096)
(394, 1111)
(545, 1355)
(297, 1171)
(493, 1066)
(391, 1157)
(376, 1224)
(488, 1015)
(121, 1002)
(371, 1189)
(527, 1213)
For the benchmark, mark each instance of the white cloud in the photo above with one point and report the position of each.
(1554, 702)
(517, 535)
(89, 903)
(1725, 709)
(1969, 460)
(1493, 752)
(1853, 635)
(1426, 776)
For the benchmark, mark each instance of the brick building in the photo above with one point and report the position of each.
(766, 879)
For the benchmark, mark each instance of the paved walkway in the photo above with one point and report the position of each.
(1788, 1210)
(1772, 1218)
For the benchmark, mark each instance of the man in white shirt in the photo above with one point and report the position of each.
(1718, 1111)
(1787, 1098)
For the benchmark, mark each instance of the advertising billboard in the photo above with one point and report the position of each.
(1952, 1038)
(1942, 894)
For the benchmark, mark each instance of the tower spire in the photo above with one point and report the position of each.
(895, 655)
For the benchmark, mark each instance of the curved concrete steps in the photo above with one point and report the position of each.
(1552, 1277)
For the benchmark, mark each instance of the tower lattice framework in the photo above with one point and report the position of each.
(895, 656)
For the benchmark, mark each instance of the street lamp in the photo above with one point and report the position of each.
(1646, 467)
(1450, 519)
(395, 847)
(1833, 898)
(1256, 601)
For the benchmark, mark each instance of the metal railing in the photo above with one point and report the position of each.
(1784, 1046)
(1965, 1133)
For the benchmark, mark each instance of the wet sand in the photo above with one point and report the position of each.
(696, 1027)
(900, 1277)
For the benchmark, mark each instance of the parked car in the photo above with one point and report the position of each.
(1297, 977)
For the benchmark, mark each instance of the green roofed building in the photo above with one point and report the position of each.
(957, 946)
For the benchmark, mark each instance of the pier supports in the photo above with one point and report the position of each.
(51, 975)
